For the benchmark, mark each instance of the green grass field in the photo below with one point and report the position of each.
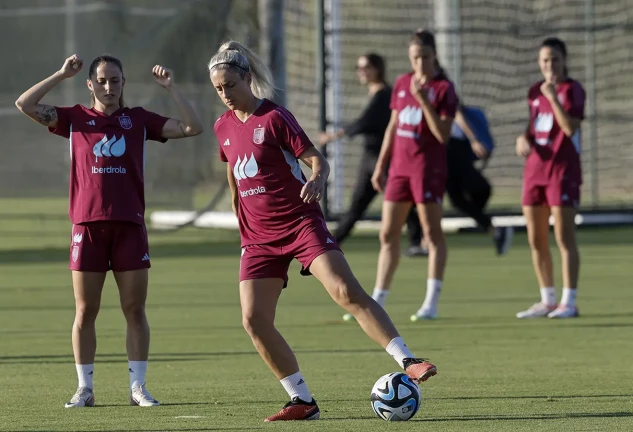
(495, 372)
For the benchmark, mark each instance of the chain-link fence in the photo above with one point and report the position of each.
(496, 55)
(181, 35)
(491, 48)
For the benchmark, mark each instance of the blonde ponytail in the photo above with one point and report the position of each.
(233, 54)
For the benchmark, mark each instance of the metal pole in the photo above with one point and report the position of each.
(271, 18)
(334, 102)
(70, 48)
(322, 86)
(448, 38)
(590, 86)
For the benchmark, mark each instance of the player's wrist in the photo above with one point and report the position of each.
(317, 176)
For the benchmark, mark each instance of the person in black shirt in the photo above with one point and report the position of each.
(371, 124)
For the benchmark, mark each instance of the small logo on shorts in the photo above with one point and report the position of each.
(329, 240)
(77, 238)
(145, 257)
(75, 254)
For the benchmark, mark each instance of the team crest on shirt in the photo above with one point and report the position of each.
(125, 122)
(258, 135)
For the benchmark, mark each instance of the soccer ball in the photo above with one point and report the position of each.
(395, 397)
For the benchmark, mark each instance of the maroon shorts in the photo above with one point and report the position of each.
(558, 193)
(418, 189)
(272, 260)
(109, 245)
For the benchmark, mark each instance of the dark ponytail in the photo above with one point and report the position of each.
(558, 45)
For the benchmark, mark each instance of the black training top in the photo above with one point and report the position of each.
(373, 121)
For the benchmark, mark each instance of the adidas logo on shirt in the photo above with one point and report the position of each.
(91, 123)
(227, 142)
(145, 257)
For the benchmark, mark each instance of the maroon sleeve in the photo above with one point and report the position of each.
(154, 124)
(394, 94)
(533, 109)
(576, 98)
(64, 121)
(223, 157)
(447, 105)
(290, 133)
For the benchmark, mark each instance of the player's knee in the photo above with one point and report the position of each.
(538, 242)
(256, 323)
(434, 236)
(566, 242)
(347, 294)
(134, 310)
(86, 313)
(389, 236)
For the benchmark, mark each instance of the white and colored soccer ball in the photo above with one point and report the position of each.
(395, 397)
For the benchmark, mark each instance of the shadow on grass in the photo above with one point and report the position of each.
(226, 243)
(164, 250)
(498, 417)
(168, 357)
(171, 428)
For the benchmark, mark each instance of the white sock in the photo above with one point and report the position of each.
(548, 296)
(569, 297)
(295, 385)
(137, 372)
(433, 290)
(380, 295)
(84, 373)
(399, 350)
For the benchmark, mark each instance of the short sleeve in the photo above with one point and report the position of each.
(154, 124)
(532, 97)
(64, 120)
(447, 105)
(290, 132)
(223, 157)
(394, 95)
(576, 98)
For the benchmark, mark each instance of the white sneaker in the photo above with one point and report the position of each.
(564, 311)
(140, 396)
(424, 314)
(84, 397)
(537, 310)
